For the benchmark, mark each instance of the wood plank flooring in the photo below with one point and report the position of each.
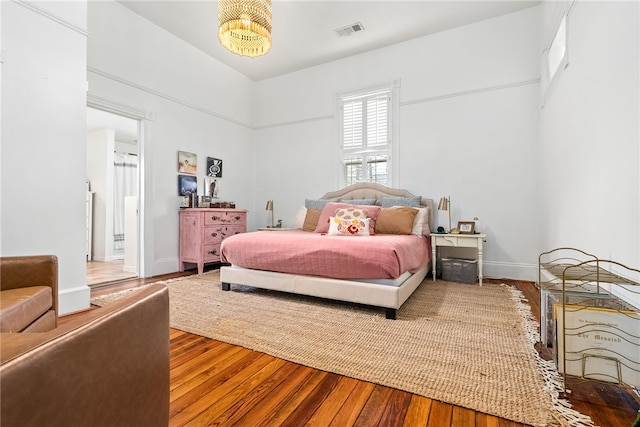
(102, 273)
(215, 383)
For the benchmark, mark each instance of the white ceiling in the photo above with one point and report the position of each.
(303, 30)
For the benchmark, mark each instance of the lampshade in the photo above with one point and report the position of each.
(245, 26)
(444, 204)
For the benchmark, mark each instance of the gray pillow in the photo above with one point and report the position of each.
(412, 202)
(316, 203)
(368, 202)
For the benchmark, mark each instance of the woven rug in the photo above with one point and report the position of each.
(462, 344)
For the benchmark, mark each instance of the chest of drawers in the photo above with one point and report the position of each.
(203, 229)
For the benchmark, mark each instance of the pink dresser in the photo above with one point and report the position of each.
(203, 229)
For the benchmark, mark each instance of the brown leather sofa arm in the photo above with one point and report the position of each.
(108, 367)
(32, 270)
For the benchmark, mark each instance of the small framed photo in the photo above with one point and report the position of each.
(212, 187)
(187, 184)
(214, 167)
(187, 162)
(466, 227)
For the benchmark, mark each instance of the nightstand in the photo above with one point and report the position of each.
(457, 241)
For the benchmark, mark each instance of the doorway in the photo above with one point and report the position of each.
(113, 195)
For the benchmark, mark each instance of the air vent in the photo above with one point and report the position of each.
(349, 29)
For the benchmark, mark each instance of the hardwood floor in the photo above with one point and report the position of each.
(215, 383)
(103, 273)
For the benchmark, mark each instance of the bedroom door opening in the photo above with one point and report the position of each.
(113, 197)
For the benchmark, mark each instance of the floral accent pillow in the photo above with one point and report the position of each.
(331, 208)
(348, 227)
(352, 213)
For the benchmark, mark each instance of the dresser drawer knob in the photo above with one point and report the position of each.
(213, 252)
(214, 234)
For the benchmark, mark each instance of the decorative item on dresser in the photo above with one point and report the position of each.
(202, 230)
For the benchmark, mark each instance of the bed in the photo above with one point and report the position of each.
(326, 260)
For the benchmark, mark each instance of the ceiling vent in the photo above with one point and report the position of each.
(349, 29)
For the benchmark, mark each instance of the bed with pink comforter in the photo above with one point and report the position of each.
(382, 269)
(385, 256)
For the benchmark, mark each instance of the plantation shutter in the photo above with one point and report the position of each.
(366, 137)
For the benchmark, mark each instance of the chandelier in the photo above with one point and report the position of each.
(245, 26)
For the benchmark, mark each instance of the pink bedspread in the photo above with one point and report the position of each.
(314, 254)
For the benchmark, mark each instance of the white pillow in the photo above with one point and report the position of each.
(348, 227)
(298, 221)
(421, 222)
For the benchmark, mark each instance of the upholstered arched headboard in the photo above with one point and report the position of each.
(369, 190)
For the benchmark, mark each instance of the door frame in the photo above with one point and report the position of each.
(100, 103)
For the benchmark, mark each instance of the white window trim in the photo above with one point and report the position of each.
(394, 87)
(559, 39)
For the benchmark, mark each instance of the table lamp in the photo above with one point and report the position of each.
(445, 205)
(269, 207)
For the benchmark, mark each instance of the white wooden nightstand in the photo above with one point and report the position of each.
(457, 241)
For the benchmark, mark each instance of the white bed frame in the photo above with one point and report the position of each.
(388, 297)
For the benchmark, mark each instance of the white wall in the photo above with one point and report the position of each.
(468, 129)
(189, 102)
(43, 139)
(100, 149)
(589, 134)
(469, 111)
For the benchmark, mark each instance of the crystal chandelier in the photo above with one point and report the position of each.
(245, 26)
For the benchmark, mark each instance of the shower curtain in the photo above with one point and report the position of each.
(125, 183)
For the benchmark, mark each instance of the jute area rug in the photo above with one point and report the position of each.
(462, 344)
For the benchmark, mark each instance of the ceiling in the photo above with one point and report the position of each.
(303, 33)
(303, 30)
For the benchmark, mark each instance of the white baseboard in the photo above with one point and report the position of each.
(130, 268)
(108, 258)
(163, 266)
(74, 299)
(507, 270)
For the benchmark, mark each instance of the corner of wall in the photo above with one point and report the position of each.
(74, 299)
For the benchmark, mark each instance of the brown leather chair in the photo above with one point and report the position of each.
(107, 367)
(28, 293)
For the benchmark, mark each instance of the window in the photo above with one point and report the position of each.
(557, 53)
(366, 136)
(555, 58)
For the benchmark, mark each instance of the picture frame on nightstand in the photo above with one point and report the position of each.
(466, 227)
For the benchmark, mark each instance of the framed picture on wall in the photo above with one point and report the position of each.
(187, 184)
(214, 167)
(187, 162)
(212, 187)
